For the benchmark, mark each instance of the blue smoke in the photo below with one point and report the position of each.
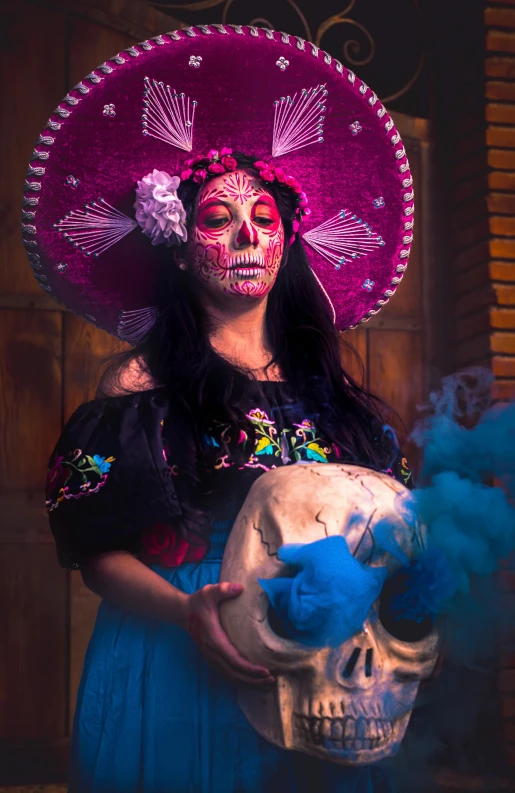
(470, 526)
(330, 595)
(467, 482)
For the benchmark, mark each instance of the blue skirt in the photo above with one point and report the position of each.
(153, 717)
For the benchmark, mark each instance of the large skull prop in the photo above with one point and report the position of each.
(349, 704)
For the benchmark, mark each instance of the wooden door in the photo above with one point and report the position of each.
(49, 364)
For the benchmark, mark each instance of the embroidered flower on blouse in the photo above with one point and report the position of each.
(102, 464)
(259, 416)
(307, 424)
(75, 476)
(298, 443)
(405, 471)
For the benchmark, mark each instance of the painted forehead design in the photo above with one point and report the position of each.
(238, 186)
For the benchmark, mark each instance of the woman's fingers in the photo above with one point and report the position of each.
(223, 646)
(203, 624)
(219, 592)
(213, 657)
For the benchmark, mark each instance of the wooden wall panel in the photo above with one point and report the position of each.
(87, 351)
(33, 630)
(32, 72)
(395, 374)
(354, 356)
(406, 302)
(30, 395)
(90, 45)
(33, 589)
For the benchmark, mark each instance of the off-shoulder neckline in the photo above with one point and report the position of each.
(159, 388)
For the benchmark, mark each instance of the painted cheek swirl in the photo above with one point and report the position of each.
(274, 252)
(210, 260)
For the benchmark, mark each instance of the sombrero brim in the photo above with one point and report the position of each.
(247, 84)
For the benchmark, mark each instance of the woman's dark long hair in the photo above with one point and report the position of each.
(305, 345)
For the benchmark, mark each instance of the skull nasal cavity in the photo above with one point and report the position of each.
(353, 660)
(351, 663)
(246, 236)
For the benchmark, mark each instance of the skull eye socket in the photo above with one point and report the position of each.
(400, 624)
(277, 624)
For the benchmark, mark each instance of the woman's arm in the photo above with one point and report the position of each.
(124, 581)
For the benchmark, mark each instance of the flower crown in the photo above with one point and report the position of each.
(160, 212)
(217, 162)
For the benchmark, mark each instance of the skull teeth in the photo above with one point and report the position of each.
(246, 260)
(249, 272)
(359, 734)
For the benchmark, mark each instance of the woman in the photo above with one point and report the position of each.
(235, 370)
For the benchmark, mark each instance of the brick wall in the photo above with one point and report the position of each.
(481, 161)
(500, 199)
(473, 106)
(500, 156)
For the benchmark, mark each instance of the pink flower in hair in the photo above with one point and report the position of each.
(267, 175)
(260, 165)
(186, 174)
(293, 184)
(306, 211)
(200, 175)
(212, 154)
(225, 151)
(280, 175)
(303, 200)
(216, 167)
(296, 225)
(193, 161)
(229, 163)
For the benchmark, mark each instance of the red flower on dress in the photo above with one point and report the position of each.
(161, 544)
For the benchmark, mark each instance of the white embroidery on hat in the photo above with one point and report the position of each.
(342, 238)
(96, 228)
(167, 115)
(133, 325)
(298, 122)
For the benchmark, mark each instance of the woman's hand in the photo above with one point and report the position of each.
(202, 621)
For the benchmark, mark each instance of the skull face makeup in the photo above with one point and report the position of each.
(237, 242)
(349, 704)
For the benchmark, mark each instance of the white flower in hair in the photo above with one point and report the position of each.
(159, 210)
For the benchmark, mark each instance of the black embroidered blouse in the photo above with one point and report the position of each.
(116, 469)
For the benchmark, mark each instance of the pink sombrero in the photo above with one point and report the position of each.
(175, 96)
